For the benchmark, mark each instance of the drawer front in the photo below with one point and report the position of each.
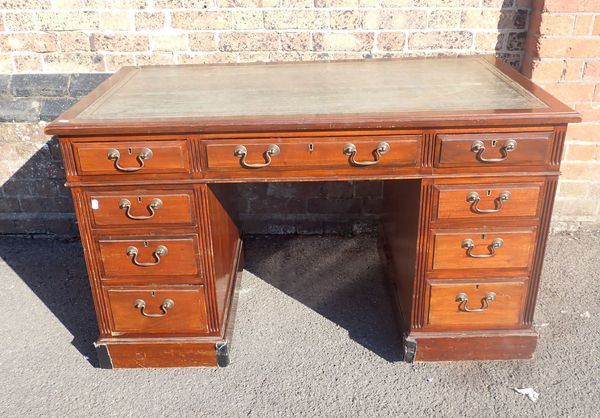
(290, 154)
(130, 158)
(141, 209)
(487, 201)
(170, 257)
(169, 310)
(476, 304)
(477, 249)
(493, 150)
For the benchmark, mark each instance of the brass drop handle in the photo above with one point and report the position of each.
(166, 305)
(469, 246)
(241, 152)
(478, 147)
(160, 251)
(350, 151)
(463, 300)
(474, 199)
(153, 206)
(115, 155)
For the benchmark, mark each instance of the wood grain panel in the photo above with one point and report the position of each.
(515, 253)
(91, 158)
(138, 354)
(318, 153)
(453, 204)
(533, 148)
(181, 259)
(187, 316)
(177, 208)
(503, 312)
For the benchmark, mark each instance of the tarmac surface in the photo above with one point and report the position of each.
(314, 336)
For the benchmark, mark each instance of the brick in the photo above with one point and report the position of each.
(584, 132)
(248, 41)
(119, 42)
(51, 108)
(440, 40)
(330, 205)
(391, 41)
(66, 4)
(114, 62)
(73, 41)
(591, 70)
(444, 19)
(202, 41)
(115, 21)
(74, 62)
(493, 19)
(73, 20)
(573, 189)
(82, 84)
(168, 42)
(296, 4)
(343, 41)
(207, 58)
(589, 111)
(516, 41)
(295, 41)
(553, 24)
(111, 4)
(578, 152)
(486, 41)
(596, 28)
(31, 42)
(201, 20)
(278, 205)
(446, 3)
(51, 205)
(149, 20)
(240, 3)
(569, 47)
(583, 25)
(248, 19)
(25, 4)
(498, 4)
(28, 63)
(155, 58)
(562, 70)
(575, 207)
(4, 85)
(296, 19)
(254, 56)
(19, 110)
(346, 19)
(570, 92)
(572, 6)
(396, 3)
(395, 19)
(19, 22)
(338, 3)
(9, 204)
(6, 63)
(183, 4)
(27, 85)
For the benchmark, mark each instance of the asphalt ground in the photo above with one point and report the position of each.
(314, 336)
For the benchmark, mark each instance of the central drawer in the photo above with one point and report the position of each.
(167, 257)
(166, 310)
(292, 153)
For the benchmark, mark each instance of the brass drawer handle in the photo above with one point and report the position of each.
(350, 151)
(241, 152)
(160, 251)
(478, 147)
(153, 206)
(115, 155)
(166, 305)
(474, 199)
(469, 245)
(463, 300)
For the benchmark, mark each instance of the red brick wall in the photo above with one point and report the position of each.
(563, 56)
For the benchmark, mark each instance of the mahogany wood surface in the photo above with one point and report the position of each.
(311, 111)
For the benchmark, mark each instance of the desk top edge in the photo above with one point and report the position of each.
(554, 112)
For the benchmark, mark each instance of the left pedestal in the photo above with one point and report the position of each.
(163, 262)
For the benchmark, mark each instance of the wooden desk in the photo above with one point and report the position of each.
(471, 148)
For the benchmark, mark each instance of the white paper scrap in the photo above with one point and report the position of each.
(531, 394)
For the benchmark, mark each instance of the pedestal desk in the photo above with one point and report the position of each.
(469, 150)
